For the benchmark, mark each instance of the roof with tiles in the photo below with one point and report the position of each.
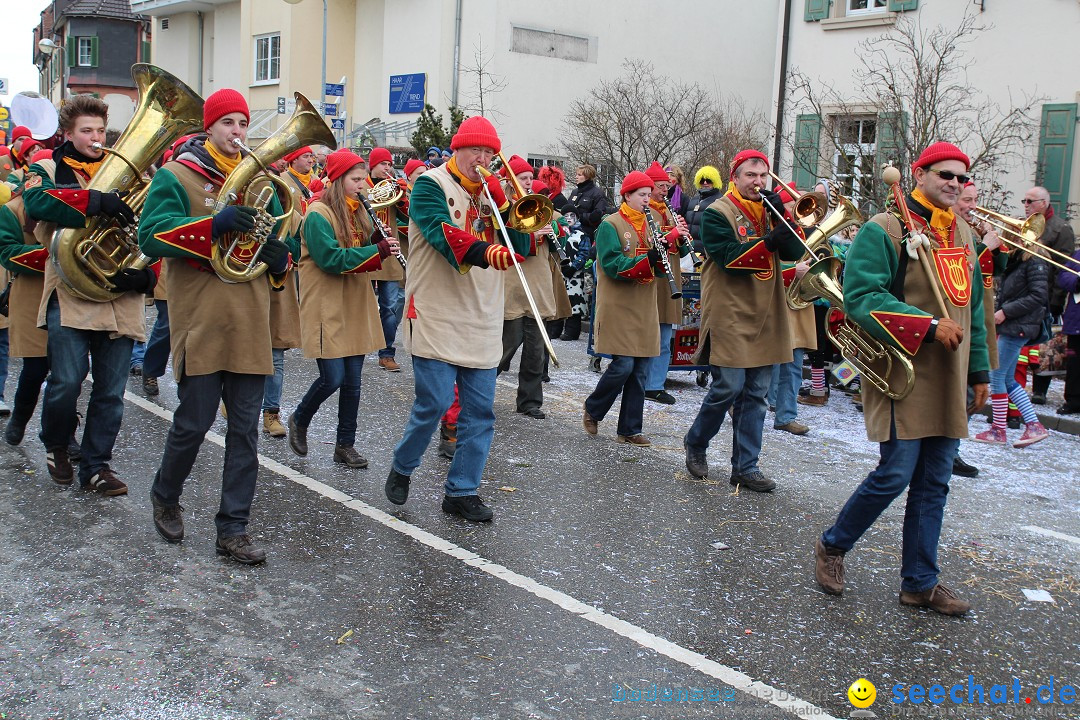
(101, 8)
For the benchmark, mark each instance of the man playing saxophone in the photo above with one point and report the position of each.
(82, 332)
(220, 331)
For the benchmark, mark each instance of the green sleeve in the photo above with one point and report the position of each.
(11, 242)
(721, 243)
(48, 208)
(327, 254)
(166, 217)
(613, 262)
(978, 354)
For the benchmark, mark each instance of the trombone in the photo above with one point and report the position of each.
(810, 207)
(1026, 233)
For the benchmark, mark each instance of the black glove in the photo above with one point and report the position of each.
(140, 281)
(772, 203)
(778, 236)
(110, 204)
(235, 218)
(275, 254)
(654, 257)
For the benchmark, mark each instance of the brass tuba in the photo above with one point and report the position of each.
(235, 256)
(844, 215)
(384, 194)
(86, 258)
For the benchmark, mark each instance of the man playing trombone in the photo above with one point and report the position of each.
(454, 311)
(914, 282)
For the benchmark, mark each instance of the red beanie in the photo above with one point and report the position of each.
(379, 155)
(634, 180)
(969, 183)
(786, 192)
(744, 155)
(221, 103)
(295, 154)
(19, 131)
(519, 165)
(941, 151)
(4, 150)
(41, 155)
(476, 131)
(657, 173)
(340, 162)
(412, 165)
(539, 188)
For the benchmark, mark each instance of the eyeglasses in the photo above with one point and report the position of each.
(1026, 201)
(948, 176)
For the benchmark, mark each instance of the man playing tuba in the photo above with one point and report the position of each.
(220, 331)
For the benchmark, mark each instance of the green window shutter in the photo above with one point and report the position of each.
(1056, 152)
(145, 52)
(816, 10)
(891, 133)
(807, 141)
(93, 52)
(71, 50)
(902, 5)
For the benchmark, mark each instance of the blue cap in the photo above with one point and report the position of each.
(433, 149)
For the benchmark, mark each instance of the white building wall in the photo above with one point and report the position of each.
(177, 49)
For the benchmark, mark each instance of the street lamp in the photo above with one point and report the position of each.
(322, 89)
(49, 47)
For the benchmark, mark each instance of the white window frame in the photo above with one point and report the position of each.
(859, 150)
(84, 45)
(268, 61)
(873, 7)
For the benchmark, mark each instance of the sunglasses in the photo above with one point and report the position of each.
(947, 176)
(1030, 202)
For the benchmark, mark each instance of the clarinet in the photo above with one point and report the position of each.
(660, 244)
(693, 255)
(380, 227)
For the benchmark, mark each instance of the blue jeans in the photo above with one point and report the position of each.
(70, 354)
(3, 360)
(624, 375)
(434, 382)
(657, 368)
(1003, 379)
(923, 467)
(272, 387)
(749, 386)
(157, 346)
(391, 305)
(137, 352)
(784, 389)
(334, 374)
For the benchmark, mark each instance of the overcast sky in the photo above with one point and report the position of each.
(16, 59)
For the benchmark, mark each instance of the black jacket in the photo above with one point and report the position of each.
(591, 205)
(696, 208)
(1022, 296)
(1058, 235)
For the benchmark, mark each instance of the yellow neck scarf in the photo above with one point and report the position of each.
(304, 178)
(353, 204)
(224, 164)
(637, 219)
(472, 187)
(940, 220)
(86, 168)
(754, 207)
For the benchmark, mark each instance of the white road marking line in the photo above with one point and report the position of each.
(696, 661)
(1051, 533)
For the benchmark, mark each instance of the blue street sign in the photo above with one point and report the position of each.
(329, 110)
(337, 124)
(408, 93)
(334, 90)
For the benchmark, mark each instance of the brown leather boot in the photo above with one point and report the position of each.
(829, 569)
(272, 424)
(938, 598)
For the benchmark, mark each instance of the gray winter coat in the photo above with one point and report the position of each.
(1022, 296)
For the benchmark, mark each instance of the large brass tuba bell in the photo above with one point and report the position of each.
(844, 215)
(235, 256)
(86, 258)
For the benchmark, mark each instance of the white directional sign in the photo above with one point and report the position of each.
(3, 86)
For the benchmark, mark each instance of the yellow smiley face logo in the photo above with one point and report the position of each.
(862, 693)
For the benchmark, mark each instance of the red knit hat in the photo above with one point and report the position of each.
(4, 150)
(476, 131)
(412, 165)
(379, 155)
(41, 155)
(787, 192)
(969, 183)
(19, 131)
(295, 154)
(657, 173)
(941, 151)
(539, 188)
(634, 180)
(221, 103)
(340, 162)
(519, 165)
(744, 155)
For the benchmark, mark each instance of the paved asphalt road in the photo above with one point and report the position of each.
(607, 571)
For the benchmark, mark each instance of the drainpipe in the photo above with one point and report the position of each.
(781, 90)
(199, 15)
(457, 53)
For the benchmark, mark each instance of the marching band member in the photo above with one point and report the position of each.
(300, 175)
(84, 336)
(339, 320)
(22, 150)
(220, 331)
(891, 296)
(390, 278)
(627, 323)
(413, 169)
(454, 313)
(745, 323)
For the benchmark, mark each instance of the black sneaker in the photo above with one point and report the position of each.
(470, 507)
(963, 469)
(1038, 398)
(534, 413)
(150, 385)
(241, 549)
(661, 396)
(755, 481)
(104, 481)
(168, 520)
(349, 456)
(59, 463)
(447, 440)
(297, 437)
(15, 430)
(1013, 423)
(696, 463)
(397, 487)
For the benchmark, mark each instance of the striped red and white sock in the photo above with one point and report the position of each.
(1000, 403)
(817, 378)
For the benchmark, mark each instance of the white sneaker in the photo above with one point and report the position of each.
(5, 409)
